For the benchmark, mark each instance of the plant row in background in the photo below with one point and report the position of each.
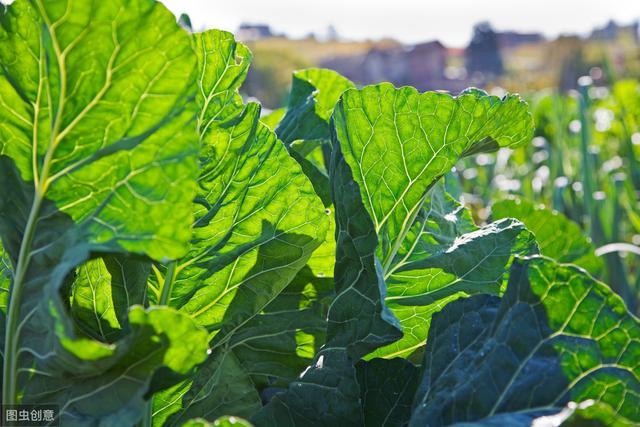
(584, 163)
(171, 258)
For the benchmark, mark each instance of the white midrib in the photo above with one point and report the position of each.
(406, 227)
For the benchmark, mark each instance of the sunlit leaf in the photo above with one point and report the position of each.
(98, 147)
(257, 222)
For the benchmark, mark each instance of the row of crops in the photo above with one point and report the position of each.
(583, 163)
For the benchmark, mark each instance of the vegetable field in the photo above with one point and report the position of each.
(370, 256)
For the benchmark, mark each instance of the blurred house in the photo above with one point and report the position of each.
(422, 66)
(248, 32)
(612, 31)
(349, 66)
(383, 61)
(426, 65)
(384, 64)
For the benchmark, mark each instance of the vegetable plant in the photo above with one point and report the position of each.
(169, 257)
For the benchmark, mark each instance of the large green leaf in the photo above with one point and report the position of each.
(257, 223)
(98, 155)
(398, 142)
(556, 336)
(222, 386)
(558, 237)
(159, 337)
(95, 118)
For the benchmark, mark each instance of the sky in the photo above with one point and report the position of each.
(409, 21)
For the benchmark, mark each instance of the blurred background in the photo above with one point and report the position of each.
(518, 45)
(576, 62)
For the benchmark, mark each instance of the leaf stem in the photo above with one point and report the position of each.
(11, 339)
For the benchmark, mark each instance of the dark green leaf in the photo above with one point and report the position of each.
(583, 414)
(556, 336)
(221, 385)
(325, 394)
(387, 388)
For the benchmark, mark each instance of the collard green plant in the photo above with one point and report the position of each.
(331, 390)
(437, 222)
(372, 245)
(98, 157)
(556, 337)
(168, 259)
(257, 222)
